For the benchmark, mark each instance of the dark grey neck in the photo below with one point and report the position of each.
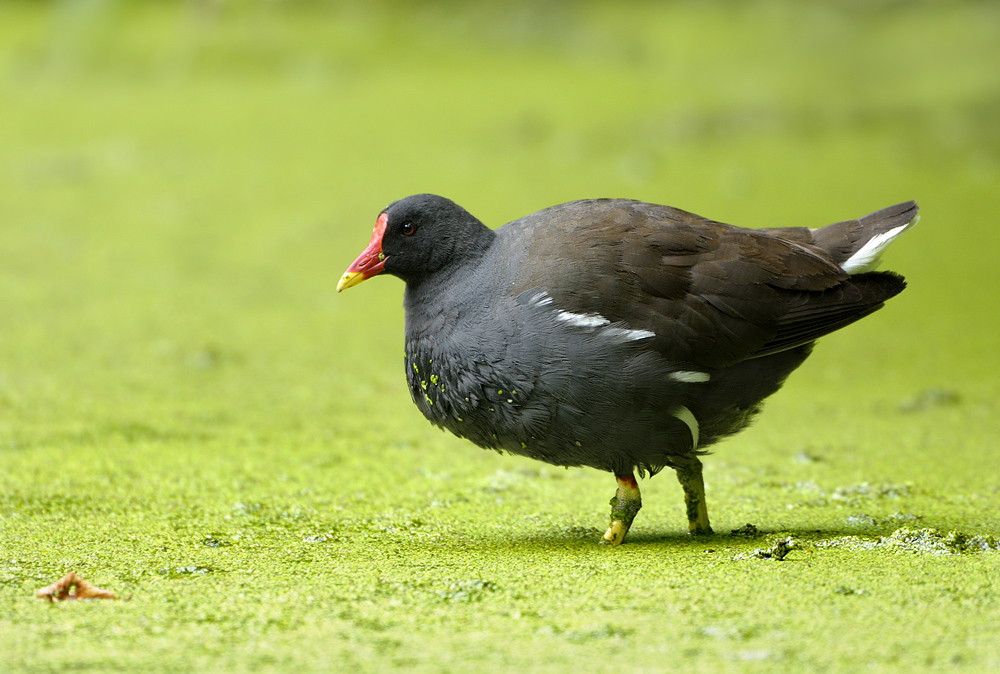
(441, 302)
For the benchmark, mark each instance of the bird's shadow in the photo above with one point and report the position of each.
(586, 538)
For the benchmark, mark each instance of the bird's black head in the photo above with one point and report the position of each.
(417, 237)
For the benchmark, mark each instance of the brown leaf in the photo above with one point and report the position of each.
(60, 590)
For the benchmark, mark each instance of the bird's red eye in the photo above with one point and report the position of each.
(409, 229)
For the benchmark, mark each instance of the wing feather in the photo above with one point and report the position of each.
(713, 294)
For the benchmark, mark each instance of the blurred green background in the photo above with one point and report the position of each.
(190, 415)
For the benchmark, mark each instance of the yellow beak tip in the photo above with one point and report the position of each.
(351, 278)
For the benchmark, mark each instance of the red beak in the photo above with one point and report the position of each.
(370, 262)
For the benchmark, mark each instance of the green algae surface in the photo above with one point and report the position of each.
(191, 417)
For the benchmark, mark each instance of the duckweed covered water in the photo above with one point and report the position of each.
(191, 417)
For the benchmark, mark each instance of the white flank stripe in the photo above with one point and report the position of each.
(541, 299)
(685, 415)
(582, 320)
(867, 257)
(627, 334)
(592, 321)
(690, 377)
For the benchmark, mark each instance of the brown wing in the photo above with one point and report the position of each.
(713, 294)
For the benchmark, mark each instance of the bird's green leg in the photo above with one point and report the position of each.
(694, 497)
(624, 507)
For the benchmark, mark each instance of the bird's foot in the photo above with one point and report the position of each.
(697, 529)
(694, 498)
(615, 533)
(625, 506)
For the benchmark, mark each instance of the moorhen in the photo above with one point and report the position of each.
(616, 334)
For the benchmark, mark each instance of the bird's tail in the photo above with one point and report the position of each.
(857, 245)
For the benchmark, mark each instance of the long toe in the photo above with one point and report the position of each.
(615, 534)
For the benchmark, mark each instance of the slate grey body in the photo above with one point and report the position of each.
(499, 349)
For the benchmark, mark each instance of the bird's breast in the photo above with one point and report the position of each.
(542, 381)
